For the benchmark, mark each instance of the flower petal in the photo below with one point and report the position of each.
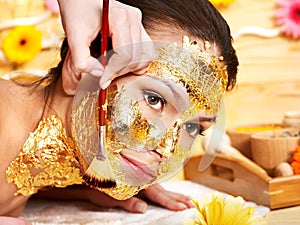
(243, 216)
(22, 44)
(287, 15)
(213, 210)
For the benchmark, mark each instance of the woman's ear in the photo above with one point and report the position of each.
(70, 78)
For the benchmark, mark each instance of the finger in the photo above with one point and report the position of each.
(135, 20)
(147, 48)
(80, 32)
(180, 198)
(94, 67)
(121, 39)
(171, 200)
(68, 66)
(122, 62)
(12, 221)
(81, 56)
(117, 61)
(81, 61)
(141, 51)
(134, 205)
(128, 58)
(79, 52)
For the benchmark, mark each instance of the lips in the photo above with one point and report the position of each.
(140, 164)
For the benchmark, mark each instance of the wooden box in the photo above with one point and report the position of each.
(244, 178)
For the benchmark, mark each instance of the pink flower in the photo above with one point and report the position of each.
(52, 5)
(288, 16)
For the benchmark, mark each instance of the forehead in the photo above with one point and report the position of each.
(161, 38)
(198, 71)
(201, 73)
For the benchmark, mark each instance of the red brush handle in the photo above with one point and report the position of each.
(103, 59)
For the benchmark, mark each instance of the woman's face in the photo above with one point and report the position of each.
(146, 128)
(153, 119)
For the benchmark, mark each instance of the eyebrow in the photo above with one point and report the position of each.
(204, 119)
(208, 119)
(175, 93)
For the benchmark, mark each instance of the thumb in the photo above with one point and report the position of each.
(83, 62)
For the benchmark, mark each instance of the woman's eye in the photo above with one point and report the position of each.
(154, 101)
(193, 129)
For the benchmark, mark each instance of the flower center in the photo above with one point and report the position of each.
(295, 13)
(23, 42)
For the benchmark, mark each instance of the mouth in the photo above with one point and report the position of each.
(140, 166)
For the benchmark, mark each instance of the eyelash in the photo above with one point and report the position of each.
(160, 99)
(199, 129)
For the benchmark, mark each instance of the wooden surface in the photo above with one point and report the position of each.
(269, 74)
(287, 216)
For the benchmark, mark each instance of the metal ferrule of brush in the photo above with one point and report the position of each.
(101, 155)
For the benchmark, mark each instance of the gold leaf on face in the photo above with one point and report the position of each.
(204, 77)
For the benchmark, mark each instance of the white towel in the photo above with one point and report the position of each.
(42, 212)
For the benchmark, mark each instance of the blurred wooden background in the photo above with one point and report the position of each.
(51, 28)
(269, 72)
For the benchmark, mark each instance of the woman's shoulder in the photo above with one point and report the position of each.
(12, 99)
(4, 82)
(13, 120)
(12, 88)
(4, 87)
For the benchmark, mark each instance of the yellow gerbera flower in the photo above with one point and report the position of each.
(22, 44)
(213, 210)
(221, 2)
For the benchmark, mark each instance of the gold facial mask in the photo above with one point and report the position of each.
(201, 74)
(142, 144)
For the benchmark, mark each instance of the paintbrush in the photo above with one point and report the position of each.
(99, 173)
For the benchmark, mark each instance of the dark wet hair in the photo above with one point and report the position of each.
(199, 18)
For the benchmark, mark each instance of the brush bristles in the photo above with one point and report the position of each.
(95, 182)
(99, 175)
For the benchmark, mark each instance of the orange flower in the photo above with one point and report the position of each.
(22, 44)
(221, 2)
(296, 160)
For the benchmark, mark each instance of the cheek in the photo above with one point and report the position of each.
(185, 140)
(168, 116)
(206, 125)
